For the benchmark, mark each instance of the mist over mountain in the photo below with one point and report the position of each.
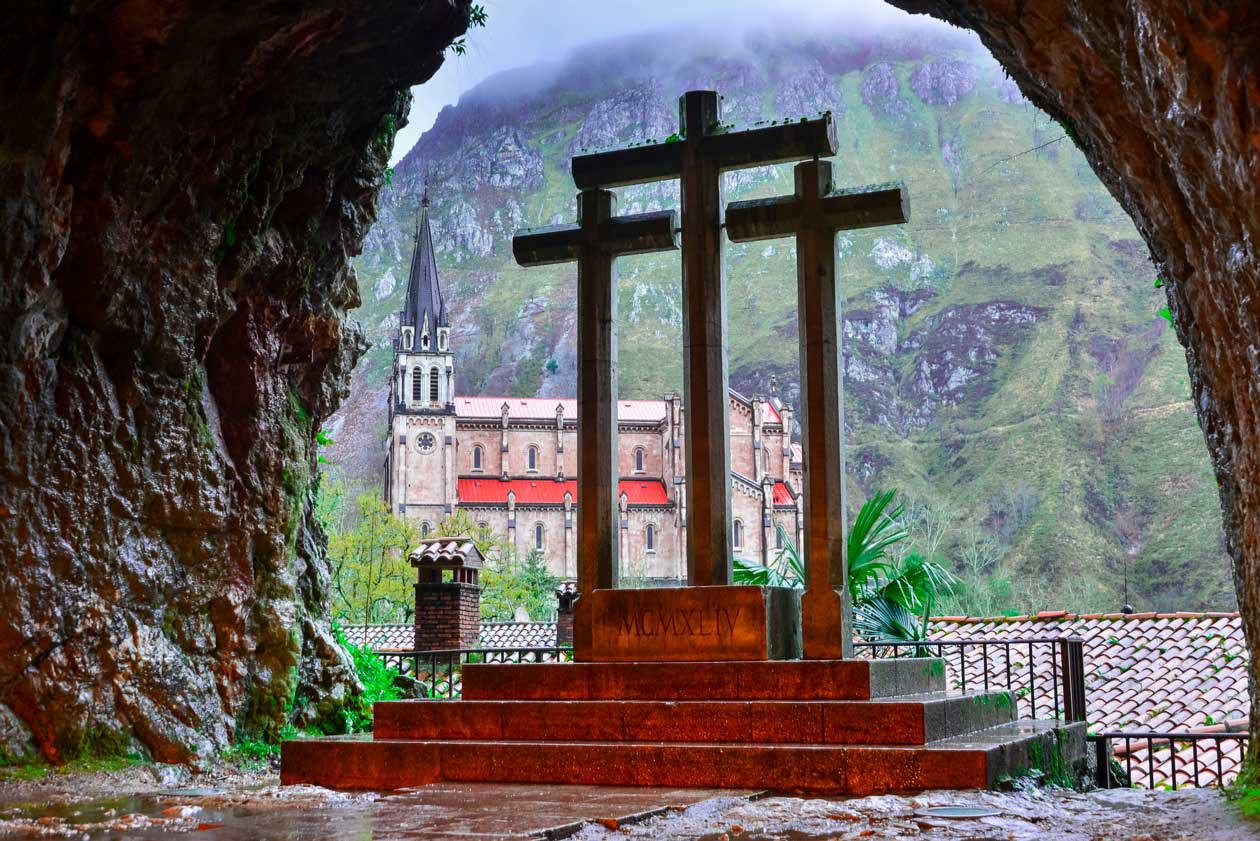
(1005, 363)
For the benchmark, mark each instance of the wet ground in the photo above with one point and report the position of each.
(159, 802)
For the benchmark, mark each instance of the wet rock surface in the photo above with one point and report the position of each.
(1161, 81)
(182, 185)
(234, 804)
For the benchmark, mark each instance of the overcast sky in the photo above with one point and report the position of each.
(523, 32)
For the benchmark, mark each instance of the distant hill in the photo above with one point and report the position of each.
(1005, 363)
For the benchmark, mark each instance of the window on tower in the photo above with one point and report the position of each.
(433, 385)
(738, 536)
(425, 528)
(478, 454)
(441, 341)
(417, 384)
(424, 342)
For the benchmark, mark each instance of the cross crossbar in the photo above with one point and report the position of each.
(777, 144)
(839, 210)
(640, 233)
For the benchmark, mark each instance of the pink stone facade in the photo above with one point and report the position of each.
(484, 445)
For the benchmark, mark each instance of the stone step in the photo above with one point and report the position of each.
(906, 720)
(973, 761)
(769, 680)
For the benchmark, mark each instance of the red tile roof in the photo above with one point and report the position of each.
(551, 492)
(782, 495)
(1143, 672)
(493, 635)
(544, 408)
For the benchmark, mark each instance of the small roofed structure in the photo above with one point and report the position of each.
(436, 555)
(448, 598)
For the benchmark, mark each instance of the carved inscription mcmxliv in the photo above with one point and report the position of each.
(680, 622)
(690, 623)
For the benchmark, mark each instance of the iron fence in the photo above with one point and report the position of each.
(439, 673)
(1046, 674)
(1169, 760)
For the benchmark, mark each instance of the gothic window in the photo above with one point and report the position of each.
(406, 339)
(533, 459)
(424, 342)
(477, 454)
(638, 460)
(433, 385)
(651, 538)
(424, 529)
(538, 536)
(417, 384)
(441, 341)
(738, 536)
(778, 538)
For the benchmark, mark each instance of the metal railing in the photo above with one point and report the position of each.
(1174, 759)
(1021, 666)
(439, 673)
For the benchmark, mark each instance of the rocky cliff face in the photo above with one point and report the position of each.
(1161, 96)
(183, 185)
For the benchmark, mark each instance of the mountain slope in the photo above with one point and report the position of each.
(1005, 363)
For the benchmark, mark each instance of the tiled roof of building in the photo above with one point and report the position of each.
(782, 495)
(544, 408)
(493, 635)
(518, 634)
(440, 551)
(551, 492)
(1143, 672)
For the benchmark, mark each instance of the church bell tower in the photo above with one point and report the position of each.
(420, 471)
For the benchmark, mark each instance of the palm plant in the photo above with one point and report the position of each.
(892, 599)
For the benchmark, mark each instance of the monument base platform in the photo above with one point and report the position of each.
(820, 726)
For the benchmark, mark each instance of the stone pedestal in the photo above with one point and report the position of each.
(688, 624)
(448, 615)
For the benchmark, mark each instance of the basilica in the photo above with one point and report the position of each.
(510, 462)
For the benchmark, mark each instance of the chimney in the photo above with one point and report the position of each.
(448, 598)
(566, 596)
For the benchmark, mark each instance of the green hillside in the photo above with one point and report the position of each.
(1005, 363)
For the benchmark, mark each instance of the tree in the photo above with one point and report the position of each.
(372, 579)
(892, 599)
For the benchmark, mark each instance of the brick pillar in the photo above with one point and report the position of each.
(448, 615)
(565, 598)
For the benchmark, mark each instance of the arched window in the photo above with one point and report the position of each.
(778, 538)
(424, 341)
(441, 341)
(538, 536)
(424, 529)
(477, 453)
(532, 459)
(417, 384)
(638, 460)
(651, 538)
(738, 534)
(433, 385)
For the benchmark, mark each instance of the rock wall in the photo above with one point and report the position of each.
(1162, 97)
(182, 185)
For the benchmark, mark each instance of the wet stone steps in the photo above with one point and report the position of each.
(760, 680)
(970, 761)
(902, 720)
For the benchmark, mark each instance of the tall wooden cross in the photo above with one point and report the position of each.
(595, 242)
(698, 156)
(814, 214)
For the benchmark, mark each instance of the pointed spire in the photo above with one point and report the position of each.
(424, 289)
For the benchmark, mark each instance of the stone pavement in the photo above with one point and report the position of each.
(234, 808)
